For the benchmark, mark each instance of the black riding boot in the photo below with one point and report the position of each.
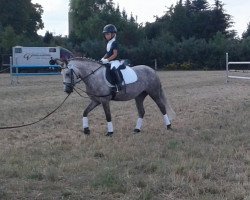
(118, 80)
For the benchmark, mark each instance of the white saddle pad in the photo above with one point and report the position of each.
(129, 75)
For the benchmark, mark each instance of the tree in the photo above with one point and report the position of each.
(85, 18)
(246, 33)
(180, 23)
(199, 5)
(220, 21)
(193, 19)
(8, 39)
(23, 16)
(48, 37)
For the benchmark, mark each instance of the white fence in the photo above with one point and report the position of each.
(235, 63)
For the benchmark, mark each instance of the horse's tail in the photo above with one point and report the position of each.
(170, 112)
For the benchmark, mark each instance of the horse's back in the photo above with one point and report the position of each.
(144, 67)
(145, 72)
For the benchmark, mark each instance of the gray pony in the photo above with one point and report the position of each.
(92, 73)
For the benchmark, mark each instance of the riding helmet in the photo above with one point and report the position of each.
(110, 28)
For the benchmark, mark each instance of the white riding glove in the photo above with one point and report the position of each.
(104, 61)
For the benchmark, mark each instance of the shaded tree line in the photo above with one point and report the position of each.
(192, 34)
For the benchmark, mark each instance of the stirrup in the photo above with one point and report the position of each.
(118, 87)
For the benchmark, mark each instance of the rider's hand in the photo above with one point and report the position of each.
(104, 61)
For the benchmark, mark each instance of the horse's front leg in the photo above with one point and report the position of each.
(107, 112)
(85, 121)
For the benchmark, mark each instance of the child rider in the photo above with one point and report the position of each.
(111, 55)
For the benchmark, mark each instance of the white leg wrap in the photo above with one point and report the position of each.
(139, 123)
(166, 120)
(85, 122)
(110, 127)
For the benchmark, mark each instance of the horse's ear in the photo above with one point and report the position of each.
(65, 64)
(62, 63)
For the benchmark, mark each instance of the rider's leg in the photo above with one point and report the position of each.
(118, 79)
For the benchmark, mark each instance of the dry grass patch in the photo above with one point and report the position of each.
(205, 156)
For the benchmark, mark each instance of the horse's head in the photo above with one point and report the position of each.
(75, 70)
(69, 74)
(69, 78)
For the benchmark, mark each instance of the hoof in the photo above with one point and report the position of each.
(136, 130)
(109, 134)
(86, 131)
(169, 127)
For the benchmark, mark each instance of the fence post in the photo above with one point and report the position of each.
(155, 64)
(11, 70)
(227, 66)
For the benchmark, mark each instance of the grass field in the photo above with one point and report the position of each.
(205, 156)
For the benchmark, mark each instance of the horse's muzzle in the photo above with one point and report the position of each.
(68, 88)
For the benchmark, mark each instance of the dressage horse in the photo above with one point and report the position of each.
(92, 73)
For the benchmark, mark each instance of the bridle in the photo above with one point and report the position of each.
(72, 79)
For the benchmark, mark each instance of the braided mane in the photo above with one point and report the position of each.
(84, 59)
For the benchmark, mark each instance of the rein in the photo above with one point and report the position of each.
(92, 72)
(73, 83)
(19, 126)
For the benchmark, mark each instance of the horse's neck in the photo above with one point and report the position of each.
(86, 68)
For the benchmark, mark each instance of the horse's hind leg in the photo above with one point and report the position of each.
(159, 99)
(85, 121)
(140, 108)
